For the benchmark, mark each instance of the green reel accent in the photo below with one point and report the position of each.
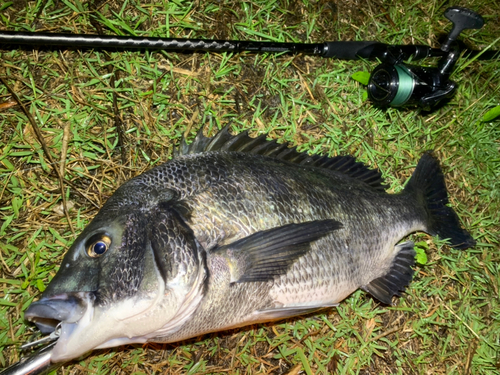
(405, 87)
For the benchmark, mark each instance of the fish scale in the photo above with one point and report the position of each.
(233, 231)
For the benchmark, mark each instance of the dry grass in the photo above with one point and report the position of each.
(108, 116)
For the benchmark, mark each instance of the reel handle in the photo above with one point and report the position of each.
(462, 19)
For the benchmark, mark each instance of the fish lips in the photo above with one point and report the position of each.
(48, 312)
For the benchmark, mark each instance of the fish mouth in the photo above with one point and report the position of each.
(48, 313)
(66, 312)
(82, 325)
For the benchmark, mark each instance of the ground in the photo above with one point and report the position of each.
(76, 123)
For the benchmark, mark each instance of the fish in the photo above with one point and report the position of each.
(233, 231)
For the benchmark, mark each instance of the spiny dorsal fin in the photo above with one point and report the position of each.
(398, 278)
(242, 142)
(264, 255)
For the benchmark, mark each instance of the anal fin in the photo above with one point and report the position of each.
(398, 278)
(291, 311)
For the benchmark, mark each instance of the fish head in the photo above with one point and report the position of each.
(135, 272)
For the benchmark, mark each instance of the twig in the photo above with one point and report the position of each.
(40, 10)
(469, 327)
(33, 125)
(40, 139)
(62, 166)
(386, 333)
(118, 120)
(470, 355)
(60, 172)
(5, 264)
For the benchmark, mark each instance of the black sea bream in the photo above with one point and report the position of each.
(236, 230)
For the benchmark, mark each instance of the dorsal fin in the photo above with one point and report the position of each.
(242, 142)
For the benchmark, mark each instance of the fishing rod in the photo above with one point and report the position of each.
(392, 83)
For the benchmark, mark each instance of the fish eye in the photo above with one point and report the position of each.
(98, 245)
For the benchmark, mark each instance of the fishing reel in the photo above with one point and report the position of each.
(396, 84)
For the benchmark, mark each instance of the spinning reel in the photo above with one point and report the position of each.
(396, 84)
(392, 83)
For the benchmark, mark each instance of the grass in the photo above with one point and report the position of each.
(447, 323)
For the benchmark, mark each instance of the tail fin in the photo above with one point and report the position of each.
(427, 183)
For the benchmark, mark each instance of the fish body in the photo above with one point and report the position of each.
(237, 230)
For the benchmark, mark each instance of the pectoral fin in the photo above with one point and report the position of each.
(270, 253)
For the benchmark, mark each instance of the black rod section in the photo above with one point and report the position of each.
(130, 42)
